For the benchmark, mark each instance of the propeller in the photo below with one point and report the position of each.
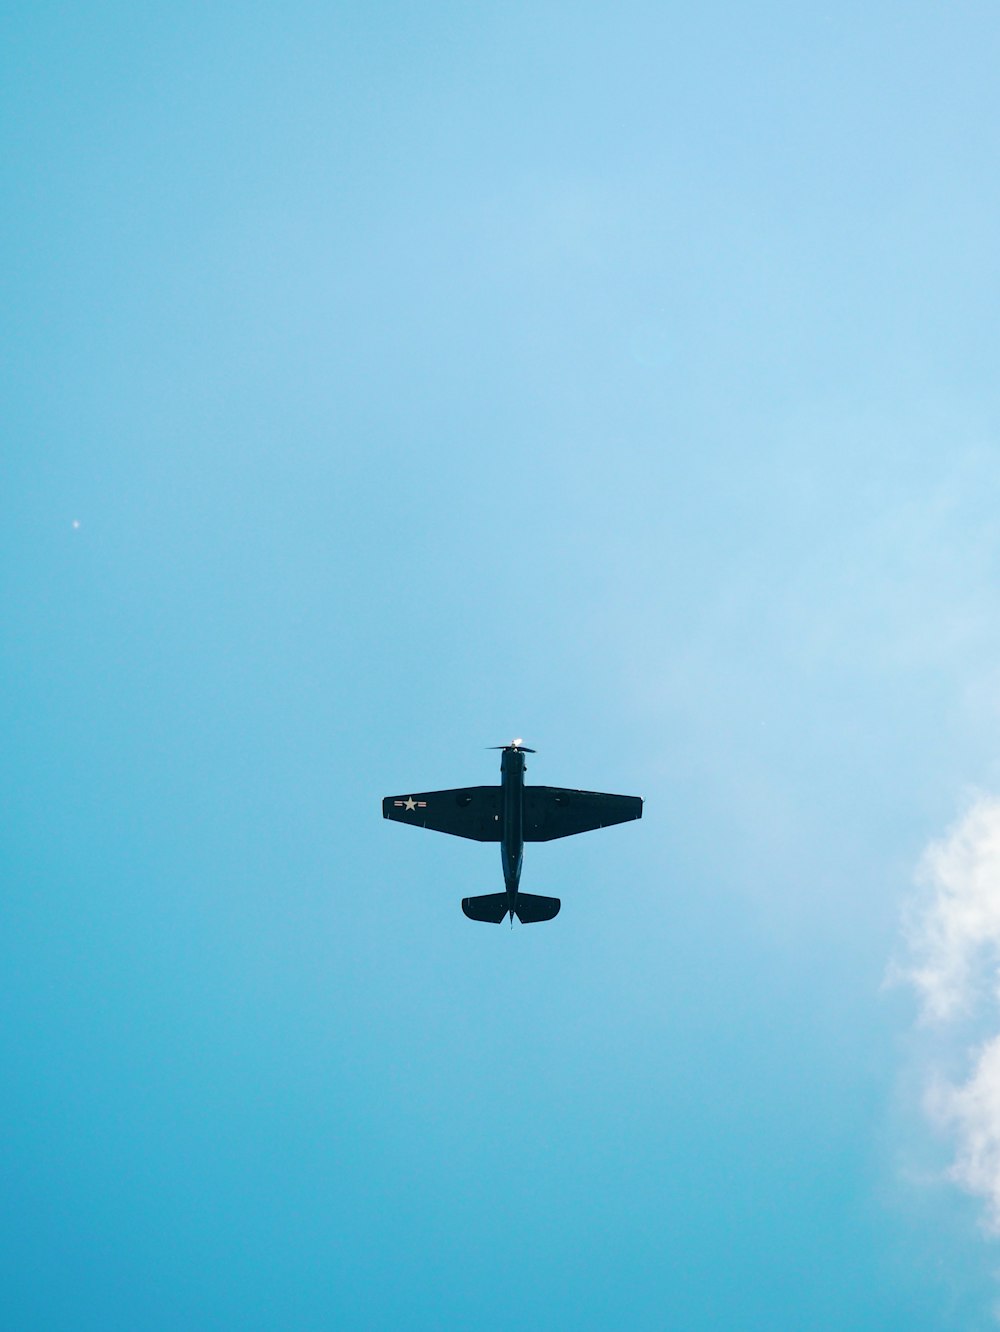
(514, 744)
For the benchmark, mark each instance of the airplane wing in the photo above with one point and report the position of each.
(553, 811)
(470, 811)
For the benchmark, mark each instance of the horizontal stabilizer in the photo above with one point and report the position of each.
(492, 907)
(531, 908)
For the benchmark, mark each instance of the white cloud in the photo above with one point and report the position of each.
(972, 1113)
(954, 934)
(954, 939)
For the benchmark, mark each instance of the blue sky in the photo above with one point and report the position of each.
(382, 382)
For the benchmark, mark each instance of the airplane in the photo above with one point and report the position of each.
(512, 814)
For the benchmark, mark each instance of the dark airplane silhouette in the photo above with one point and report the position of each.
(512, 814)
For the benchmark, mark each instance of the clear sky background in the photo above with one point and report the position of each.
(382, 382)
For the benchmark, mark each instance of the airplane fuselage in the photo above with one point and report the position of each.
(512, 766)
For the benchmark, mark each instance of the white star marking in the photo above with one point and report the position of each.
(409, 803)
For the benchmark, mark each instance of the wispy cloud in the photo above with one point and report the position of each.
(953, 937)
(972, 1112)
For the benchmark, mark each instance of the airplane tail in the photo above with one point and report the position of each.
(528, 907)
(531, 908)
(492, 907)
